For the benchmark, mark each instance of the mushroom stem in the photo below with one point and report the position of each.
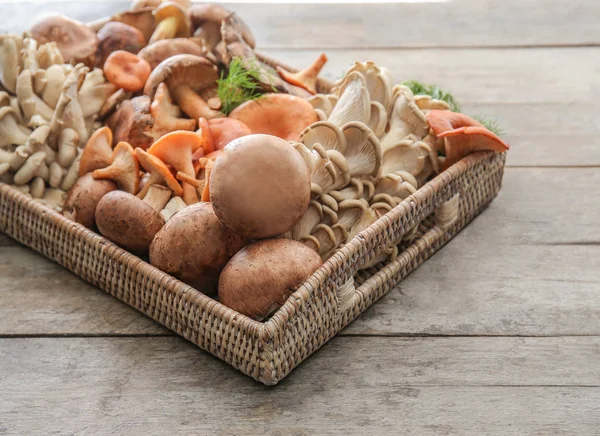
(307, 78)
(192, 104)
(166, 29)
(182, 177)
(29, 168)
(172, 207)
(157, 197)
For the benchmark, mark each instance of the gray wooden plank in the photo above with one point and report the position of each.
(453, 23)
(530, 265)
(442, 386)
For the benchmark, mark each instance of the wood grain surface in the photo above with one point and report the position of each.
(497, 334)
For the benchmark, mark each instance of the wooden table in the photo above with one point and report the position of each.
(497, 334)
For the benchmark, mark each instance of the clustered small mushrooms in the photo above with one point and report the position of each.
(182, 146)
(47, 111)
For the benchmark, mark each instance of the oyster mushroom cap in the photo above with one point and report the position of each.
(213, 13)
(94, 93)
(322, 102)
(129, 221)
(132, 122)
(405, 118)
(259, 186)
(30, 103)
(409, 156)
(124, 169)
(194, 246)
(10, 63)
(159, 173)
(76, 42)
(97, 153)
(160, 50)
(114, 36)
(354, 103)
(82, 199)
(399, 184)
(55, 77)
(325, 133)
(426, 102)
(281, 115)
(378, 121)
(363, 153)
(10, 134)
(378, 81)
(306, 224)
(328, 168)
(258, 280)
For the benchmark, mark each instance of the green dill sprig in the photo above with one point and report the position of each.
(434, 91)
(491, 124)
(241, 84)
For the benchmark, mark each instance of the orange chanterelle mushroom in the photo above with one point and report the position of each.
(462, 135)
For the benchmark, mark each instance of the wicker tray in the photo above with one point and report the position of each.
(328, 301)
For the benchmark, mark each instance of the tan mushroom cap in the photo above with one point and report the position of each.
(259, 279)
(163, 49)
(281, 115)
(129, 221)
(132, 122)
(114, 36)
(171, 21)
(216, 14)
(260, 186)
(83, 197)
(142, 19)
(76, 42)
(124, 169)
(196, 72)
(194, 246)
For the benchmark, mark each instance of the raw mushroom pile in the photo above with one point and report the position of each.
(47, 110)
(177, 142)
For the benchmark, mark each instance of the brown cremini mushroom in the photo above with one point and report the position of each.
(132, 122)
(97, 153)
(117, 36)
(185, 75)
(171, 21)
(76, 41)
(259, 279)
(306, 79)
(176, 149)
(163, 49)
(194, 246)
(126, 70)
(130, 222)
(281, 115)
(124, 169)
(83, 197)
(260, 186)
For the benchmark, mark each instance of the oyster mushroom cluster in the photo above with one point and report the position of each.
(47, 110)
(371, 148)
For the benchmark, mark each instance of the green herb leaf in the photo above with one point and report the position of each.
(490, 124)
(434, 91)
(240, 85)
